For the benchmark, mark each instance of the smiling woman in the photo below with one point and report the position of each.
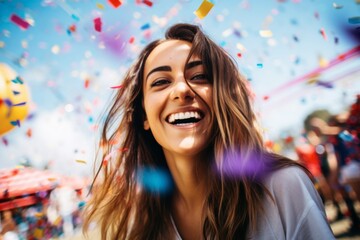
(188, 161)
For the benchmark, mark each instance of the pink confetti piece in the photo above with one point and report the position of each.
(131, 40)
(5, 141)
(19, 21)
(97, 24)
(116, 87)
(323, 34)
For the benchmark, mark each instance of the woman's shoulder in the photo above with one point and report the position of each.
(291, 183)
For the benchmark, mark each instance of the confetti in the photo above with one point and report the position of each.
(115, 3)
(97, 24)
(115, 87)
(265, 33)
(131, 40)
(239, 55)
(75, 17)
(81, 161)
(100, 6)
(17, 80)
(15, 123)
(147, 2)
(16, 92)
(5, 141)
(29, 132)
(316, 15)
(346, 136)
(323, 34)
(145, 26)
(325, 84)
(259, 65)
(71, 29)
(19, 104)
(19, 21)
(204, 9)
(354, 20)
(336, 6)
(87, 83)
(155, 180)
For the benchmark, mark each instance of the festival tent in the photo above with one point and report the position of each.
(20, 187)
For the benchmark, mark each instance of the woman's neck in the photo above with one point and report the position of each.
(190, 177)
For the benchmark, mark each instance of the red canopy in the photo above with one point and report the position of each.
(18, 185)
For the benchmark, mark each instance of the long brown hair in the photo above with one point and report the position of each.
(124, 210)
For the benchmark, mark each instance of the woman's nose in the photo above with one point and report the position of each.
(182, 91)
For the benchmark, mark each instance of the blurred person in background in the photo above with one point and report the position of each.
(342, 132)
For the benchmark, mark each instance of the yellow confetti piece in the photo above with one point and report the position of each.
(2, 44)
(265, 33)
(100, 6)
(204, 9)
(81, 161)
(323, 62)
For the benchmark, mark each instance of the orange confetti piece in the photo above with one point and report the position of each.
(29, 132)
(204, 9)
(87, 83)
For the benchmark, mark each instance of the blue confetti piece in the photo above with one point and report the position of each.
(75, 17)
(354, 20)
(15, 123)
(16, 92)
(346, 136)
(145, 26)
(259, 65)
(17, 80)
(155, 180)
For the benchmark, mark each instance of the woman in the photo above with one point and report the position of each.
(184, 112)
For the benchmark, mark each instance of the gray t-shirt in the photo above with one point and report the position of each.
(297, 211)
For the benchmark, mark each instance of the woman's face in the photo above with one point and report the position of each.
(179, 120)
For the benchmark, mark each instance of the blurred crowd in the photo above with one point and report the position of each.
(330, 149)
(56, 216)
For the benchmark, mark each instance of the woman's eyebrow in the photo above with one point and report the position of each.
(193, 64)
(159, 69)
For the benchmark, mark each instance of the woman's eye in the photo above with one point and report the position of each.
(159, 82)
(199, 77)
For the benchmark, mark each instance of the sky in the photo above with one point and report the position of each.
(69, 67)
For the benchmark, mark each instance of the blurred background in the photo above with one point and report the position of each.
(60, 61)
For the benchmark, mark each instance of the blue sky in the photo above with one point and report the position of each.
(55, 64)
